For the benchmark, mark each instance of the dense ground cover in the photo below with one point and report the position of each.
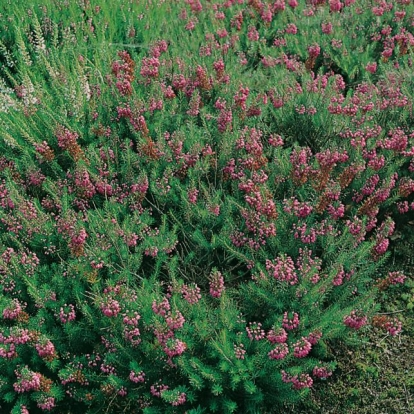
(202, 201)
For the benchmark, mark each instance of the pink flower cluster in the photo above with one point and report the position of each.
(290, 323)
(241, 97)
(321, 372)
(279, 352)
(300, 165)
(46, 403)
(180, 399)
(191, 293)
(45, 349)
(131, 331)
(124, 73)
(17, 336)
(13, 311)
(277, 336)
(283, 269)
(393, 326)
(67, 313)
(216, 284)
(84, 185)
(302, 348)
(174, 347)
(150, 67)
(157, 389)
(239, 351)
(299, 209)
(355, 320)
(161, 308)
(314, 337)
(192, 195)
(255, 331)
(110, 307)
(298, 381)
(396, 277)
(175, 321)
(339, 277)
(309, 267)
(165, 334)
(137, 377)
(27, 380)
(66, 138)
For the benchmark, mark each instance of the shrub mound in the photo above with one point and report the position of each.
(196, 198)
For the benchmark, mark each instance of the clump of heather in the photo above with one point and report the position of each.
(183, 203)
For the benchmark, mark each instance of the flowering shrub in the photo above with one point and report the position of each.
(191, 214)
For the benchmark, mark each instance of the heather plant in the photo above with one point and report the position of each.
(192, 215)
